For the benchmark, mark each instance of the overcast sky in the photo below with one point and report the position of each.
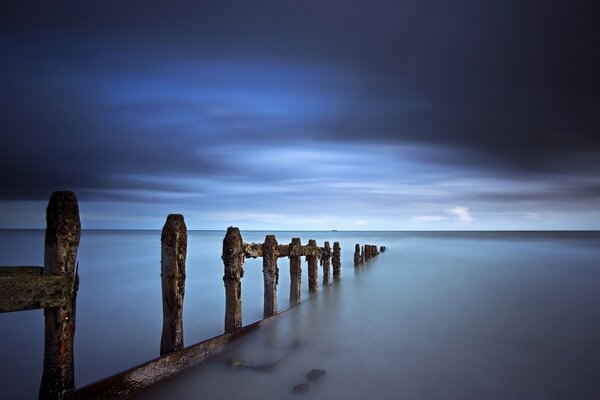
(354, 115)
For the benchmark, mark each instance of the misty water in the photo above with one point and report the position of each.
(438, 316)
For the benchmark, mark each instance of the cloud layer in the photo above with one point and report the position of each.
(403, 115)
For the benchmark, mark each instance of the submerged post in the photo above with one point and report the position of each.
(233, 260)
(337, 264)
(313, 279)
(172, 271)
(295, 271)
(326, 263)
(270, 275)
(63, 231)
(357, 254)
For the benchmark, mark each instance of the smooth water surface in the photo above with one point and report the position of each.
(447, 315)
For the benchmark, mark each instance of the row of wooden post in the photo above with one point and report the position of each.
(366, 252)
(235, 251)
(54, 287)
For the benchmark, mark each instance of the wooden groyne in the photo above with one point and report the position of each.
(54, 286)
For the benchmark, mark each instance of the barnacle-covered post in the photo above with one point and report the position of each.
(295, 271)
(326, 263)
(357, 254)
(233, 260)
(172, 271)
(336, 260)
(270, 275)
(63, 231)
(311, 259)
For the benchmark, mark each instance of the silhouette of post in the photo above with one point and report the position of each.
(311, 258)
(336, 260)
(63, 231)
(295, 271)
(172, 271)
(233, 260)
(356, 254)
(270, 275)
(326, 263)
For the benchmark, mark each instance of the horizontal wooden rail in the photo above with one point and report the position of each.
(131, 382)
(15, 272)
(254, 250)
(30, 292)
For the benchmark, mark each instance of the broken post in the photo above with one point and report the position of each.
(313, 279)
(233, 260)
(270, 275)
(295, 271)
(63, 230)
(337, 264)
(172, 271)
(326, 263)
(357, 254)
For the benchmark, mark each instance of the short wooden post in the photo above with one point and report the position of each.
(63, 231)
(357, 254)
(295, 271)
(172, 271)
(381, 249)
(311, 259)
(337, 264)
(270, 275)
(326, 263)
(233, 260)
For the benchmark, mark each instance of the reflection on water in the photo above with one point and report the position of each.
(437, 316)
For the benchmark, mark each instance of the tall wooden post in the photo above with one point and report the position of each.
(337, 263)
(233, 260)
(270, 275)
(295, 271)
(357, 254)
(326, 263)
(172, 271)
(63, 231)
(313, 279)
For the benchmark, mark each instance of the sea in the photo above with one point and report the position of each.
(439, 315)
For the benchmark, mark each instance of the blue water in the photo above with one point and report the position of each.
(451, 315)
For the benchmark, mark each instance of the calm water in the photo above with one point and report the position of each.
(438, 316)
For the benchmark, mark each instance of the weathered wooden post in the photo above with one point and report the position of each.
(337, 264)
(233, 260)
(311, 259)
(63, 230)
(326, 263)
(172, 271)
(295, 271)
(270, 275)
(356, 254)
(381, 249)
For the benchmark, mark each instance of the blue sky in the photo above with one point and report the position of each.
(321, 115)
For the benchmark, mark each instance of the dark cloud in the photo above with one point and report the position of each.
(100, 96)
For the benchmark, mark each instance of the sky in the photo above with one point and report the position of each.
(302, 115)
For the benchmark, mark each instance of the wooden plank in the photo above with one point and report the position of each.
(32, 292)
(131, 382)
(15, 272)
(252, 250)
